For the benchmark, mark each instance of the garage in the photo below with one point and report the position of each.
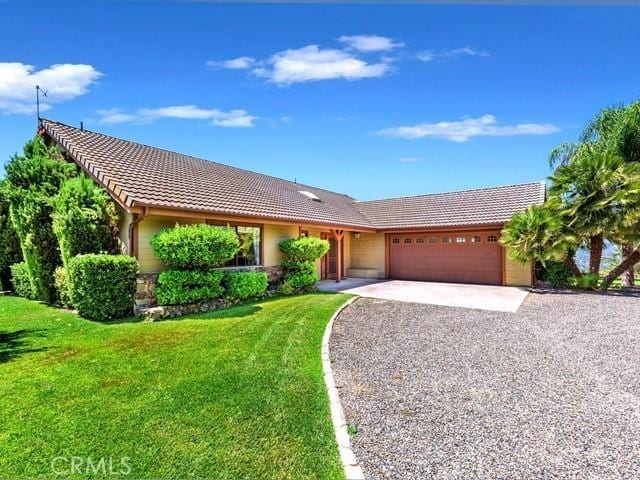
(457, 257)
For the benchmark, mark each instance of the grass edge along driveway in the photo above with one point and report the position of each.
(237, 393)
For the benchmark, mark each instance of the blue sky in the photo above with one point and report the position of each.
(369, 100)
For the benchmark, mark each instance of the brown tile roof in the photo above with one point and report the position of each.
(140, 175)
(146, 176)
(468, 207)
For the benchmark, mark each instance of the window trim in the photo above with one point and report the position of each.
(221, 223)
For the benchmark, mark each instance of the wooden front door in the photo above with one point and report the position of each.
(329, 264)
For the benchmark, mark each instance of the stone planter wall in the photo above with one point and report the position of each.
(146, 282)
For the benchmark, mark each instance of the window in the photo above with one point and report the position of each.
(304, 233)
(433, 240)
(492, 239)
(446, 239)
(461, 239)
(419, 240)
(395, 240)
(408, 241)
(475, 239)
(250, 239)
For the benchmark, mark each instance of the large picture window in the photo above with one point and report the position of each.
(250, 244)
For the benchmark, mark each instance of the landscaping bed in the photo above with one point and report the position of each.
(235, 393)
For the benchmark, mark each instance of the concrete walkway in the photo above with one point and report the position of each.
(484, 297)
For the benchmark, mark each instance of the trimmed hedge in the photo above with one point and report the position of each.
(85, 220)
(244, 285)
(179, 287)
(60, 278)
(21, 281)
(298, 259)
(303, 249)
(102, 286)
(195, 247)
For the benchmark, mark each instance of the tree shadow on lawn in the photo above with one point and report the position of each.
(18, 342)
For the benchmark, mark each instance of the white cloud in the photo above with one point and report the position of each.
(409, 160)
(240, 63)
(429, 55)
(219, 118)
(62, 82)
(467, 128)
(370, 43)
(312, 63)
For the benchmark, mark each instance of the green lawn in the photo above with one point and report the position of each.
(237, 393)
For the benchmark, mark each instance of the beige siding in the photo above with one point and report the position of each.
(367, 253)
(146, 228)
(516, 273)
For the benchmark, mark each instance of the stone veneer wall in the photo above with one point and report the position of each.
(146, 282)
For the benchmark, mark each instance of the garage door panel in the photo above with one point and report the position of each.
(446, 258)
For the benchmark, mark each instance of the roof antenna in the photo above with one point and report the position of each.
(82, 126)
(39, 92)
(295, 180)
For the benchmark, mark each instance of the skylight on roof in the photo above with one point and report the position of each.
(310, 195)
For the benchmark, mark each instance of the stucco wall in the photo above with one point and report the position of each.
(273, 235)
(146, 228)
(367, 252)
(516, 273)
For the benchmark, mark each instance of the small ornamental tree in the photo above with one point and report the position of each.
(298, 257)
(195, 247)
(191, 252)
(85, 220)
(33, 179)
(10, 252)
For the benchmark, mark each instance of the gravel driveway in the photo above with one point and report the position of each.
(552, 391)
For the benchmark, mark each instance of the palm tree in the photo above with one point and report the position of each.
(537, 235)
(596, 192)
(616, 129)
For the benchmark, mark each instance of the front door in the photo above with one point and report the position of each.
(329, 264)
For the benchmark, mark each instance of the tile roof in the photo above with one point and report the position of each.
(468, 207)
(140, 175)
(147, 176)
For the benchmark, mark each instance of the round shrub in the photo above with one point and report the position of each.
(244, 285)
(102, 286)
(298, 255)
(193, 247)
(179, 287)
(60, 278)
(21, 281)
(303, 249)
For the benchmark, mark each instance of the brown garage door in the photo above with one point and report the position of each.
(465, 257)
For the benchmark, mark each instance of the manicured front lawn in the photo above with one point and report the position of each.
(230, 394)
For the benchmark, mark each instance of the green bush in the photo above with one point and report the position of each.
(588, 281)
(303, 249)
(33, 179)
(298, 256)
(244, 285)
(179, 287)
(21, 281)
(60, 278)
(195, 247)
(556, 273)
(85, 220)
(102, 286)
(10, 252)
